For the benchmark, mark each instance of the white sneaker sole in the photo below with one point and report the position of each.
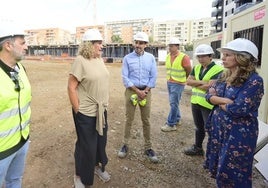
(105, 177)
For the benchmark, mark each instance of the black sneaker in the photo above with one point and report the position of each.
(194, 150)
(122, 153)
(151, 155)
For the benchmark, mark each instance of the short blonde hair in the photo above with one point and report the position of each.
(86, 50)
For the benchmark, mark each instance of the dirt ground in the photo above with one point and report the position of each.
(50, 162)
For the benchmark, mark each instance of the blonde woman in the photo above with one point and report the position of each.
(88, 89)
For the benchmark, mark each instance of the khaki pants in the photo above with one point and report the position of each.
(145, 117)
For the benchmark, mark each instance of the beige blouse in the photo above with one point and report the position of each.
(93, 88)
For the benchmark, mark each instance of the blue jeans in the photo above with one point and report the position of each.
(12, 168)
(174, 91)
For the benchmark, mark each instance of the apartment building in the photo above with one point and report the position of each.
(222, 10)
(48, 36)
(200, 28)
(186, 30)
(125, 29)
(159, 32)
(164, 30)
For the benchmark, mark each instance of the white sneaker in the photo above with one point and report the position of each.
(167, 128)
(77, 182)
(104, 176)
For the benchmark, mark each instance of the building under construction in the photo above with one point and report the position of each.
(110, 51)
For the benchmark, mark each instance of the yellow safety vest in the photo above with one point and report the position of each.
(15, 111)
(175, 70)
(198, 95)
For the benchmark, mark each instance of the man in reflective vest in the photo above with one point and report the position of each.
(178, 67)
(15, 112)
(200, 79)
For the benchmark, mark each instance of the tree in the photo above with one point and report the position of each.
(116, 39)
(188, 47)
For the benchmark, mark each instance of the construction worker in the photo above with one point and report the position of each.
(139, 74)
(15, 99)
(88, 90)
(200, 79)
(178, 66)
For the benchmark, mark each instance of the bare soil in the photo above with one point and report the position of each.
(50, 161)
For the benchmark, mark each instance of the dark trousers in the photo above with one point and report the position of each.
(89, 147)
(200, 116)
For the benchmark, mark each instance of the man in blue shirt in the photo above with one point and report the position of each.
(139, 74)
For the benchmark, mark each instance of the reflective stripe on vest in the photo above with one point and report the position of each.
(14, 129)
(198, 95)
(175, 70)
(15, 111)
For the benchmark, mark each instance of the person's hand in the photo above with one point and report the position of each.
(226, 101)
(211, 82)
(142, 94)
(75, 110)
(212, 91)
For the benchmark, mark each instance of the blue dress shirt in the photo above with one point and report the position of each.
(139, 70)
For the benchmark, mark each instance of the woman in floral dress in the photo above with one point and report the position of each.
(233, 125)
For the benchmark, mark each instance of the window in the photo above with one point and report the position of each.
(215, 45)
(254, 34)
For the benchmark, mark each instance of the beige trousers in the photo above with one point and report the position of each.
(145, 118)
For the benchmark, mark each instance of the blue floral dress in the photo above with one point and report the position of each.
(232, 134)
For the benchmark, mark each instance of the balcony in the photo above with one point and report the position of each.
(216, 23)
(216, 13)
(243, 7)
(216, 3)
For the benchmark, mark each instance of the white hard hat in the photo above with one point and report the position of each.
(10, 29)
(241, 45)
(203, 49)
(92, 35)
(141, 36)
(174, 40)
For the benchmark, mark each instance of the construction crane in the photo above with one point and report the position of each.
(94, 3)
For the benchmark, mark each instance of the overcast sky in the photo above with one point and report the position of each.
(68, 14)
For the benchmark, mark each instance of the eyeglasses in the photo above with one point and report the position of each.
(16, 79)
